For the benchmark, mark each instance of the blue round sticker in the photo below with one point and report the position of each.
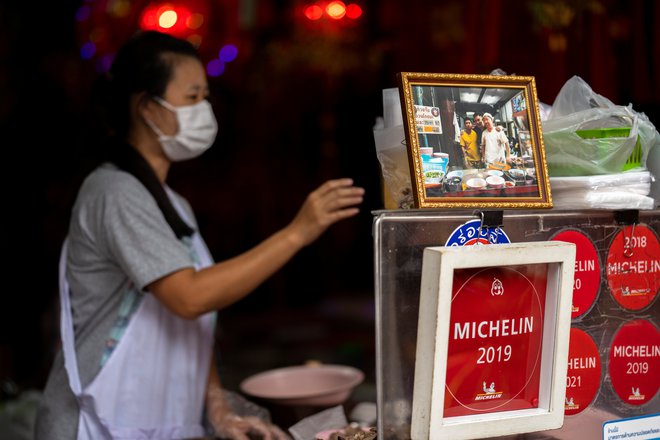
(471, 233)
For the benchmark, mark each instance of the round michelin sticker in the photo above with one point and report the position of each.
(586, 283)
(633, 267)
(471, 233)
(635, 362)
(583, 374)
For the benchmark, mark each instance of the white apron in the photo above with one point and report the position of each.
(153, 384)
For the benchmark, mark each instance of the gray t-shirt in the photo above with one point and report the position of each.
(118, 242)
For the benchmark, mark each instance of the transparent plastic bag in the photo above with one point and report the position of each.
(576, 96)
(587, 134)
(393, 158)
(392, 153)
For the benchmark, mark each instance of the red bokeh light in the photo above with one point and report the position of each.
(166, 18)
(353, 11)
(335, 10)
(102, 28)
(313, 12)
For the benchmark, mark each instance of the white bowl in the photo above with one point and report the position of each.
(476, 183)
(454, 173)
(495, 181)
(517, 174)
(304, 385)
(433, 176)
(495, 173)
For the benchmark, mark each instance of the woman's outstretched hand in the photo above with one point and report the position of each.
(333, 201)
(229, 425)
(234, 427)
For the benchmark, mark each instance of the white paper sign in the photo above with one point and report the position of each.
(639, 428)
(427, 119)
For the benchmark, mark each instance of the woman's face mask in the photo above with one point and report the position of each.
(197, 130)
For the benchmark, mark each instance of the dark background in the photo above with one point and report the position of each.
(295, 108)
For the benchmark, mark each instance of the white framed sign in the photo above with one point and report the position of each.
(492, 340)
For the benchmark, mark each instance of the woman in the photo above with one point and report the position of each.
(138, 286)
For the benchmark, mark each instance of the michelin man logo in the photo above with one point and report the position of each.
(489, 392)
(636, 395)
(497, 289)
(490, 389)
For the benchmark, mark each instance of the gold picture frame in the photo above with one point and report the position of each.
(506, 168)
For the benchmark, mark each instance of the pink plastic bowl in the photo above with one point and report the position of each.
(314, 385)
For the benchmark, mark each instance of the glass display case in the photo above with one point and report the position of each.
(614, 354)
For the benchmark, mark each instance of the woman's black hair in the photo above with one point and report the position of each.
(145, 64)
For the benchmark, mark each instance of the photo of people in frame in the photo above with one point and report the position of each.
(474, 141)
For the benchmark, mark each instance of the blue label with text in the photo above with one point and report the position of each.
(471, 233)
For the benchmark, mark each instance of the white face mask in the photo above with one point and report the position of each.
(197, 130)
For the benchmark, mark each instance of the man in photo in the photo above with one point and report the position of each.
(494, 145)
(468, 141)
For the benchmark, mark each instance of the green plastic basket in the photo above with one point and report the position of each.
(635, 158)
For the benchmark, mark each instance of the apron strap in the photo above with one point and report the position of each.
(66, 327)
(197, 242)
(89, 424)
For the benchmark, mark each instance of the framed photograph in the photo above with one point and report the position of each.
(492, 340)
(474, 141)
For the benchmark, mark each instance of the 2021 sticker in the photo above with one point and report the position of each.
(583, 374)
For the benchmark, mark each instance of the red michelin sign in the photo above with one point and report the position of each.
(635, 362)
(494, 347)
(587, 271)
(633, 267)
(583, 373)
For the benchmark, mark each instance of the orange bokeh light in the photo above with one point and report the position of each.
(167, 18)
(336, 10)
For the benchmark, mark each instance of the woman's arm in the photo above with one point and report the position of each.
(190, 293)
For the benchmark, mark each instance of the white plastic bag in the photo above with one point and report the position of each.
(579, 112)
(605, 191)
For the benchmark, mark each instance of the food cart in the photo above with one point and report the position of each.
(613, 371)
